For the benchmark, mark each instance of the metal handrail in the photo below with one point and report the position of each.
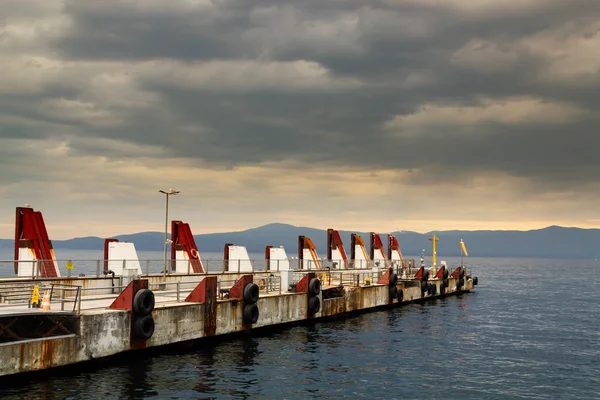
(150, 267)
(332, 276)
(66, 287)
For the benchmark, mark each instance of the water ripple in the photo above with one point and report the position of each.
(534, 338)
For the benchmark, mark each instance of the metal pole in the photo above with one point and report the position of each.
(166, 223)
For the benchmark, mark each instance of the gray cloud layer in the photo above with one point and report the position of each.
(447, 89)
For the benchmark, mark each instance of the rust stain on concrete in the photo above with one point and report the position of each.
(46, 356)
(22, 357)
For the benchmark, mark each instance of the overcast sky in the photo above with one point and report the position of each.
(357, 115)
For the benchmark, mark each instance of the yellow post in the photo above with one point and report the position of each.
(434, 239)
(69, 266)
(35, 297)
(463, 251)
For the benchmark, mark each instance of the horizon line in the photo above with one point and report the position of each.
(397, 232)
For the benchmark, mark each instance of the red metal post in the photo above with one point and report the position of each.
(268, 257)
(385, 278)
(29, 225)
(300, 252)
(302, 286)
(183, 239)
(124, 300)
(237, 291)
(419, 274)
(106, 243)
(203, 290)
(440, 273)
(206, 292)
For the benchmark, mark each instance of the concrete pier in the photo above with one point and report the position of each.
(92, 318)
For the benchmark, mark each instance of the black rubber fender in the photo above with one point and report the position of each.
(143, 302)
(314, 286)
(393, 292)
(475, 281)
(445, 282)
(400, 295)
(461, 283)
(314, 304)
(461, 274)
(251, 292)
(446, 273)
(393, 279)
(143, 327)
(423, 286)
(442, 289)
(425, 275)
(250, 314)
(433, 289)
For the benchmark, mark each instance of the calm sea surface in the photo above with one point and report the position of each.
(531, 330)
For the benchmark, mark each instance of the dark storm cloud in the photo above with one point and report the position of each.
(119, 30)
(403, 54)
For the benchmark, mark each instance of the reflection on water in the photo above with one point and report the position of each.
(510, 340)
(137, 384)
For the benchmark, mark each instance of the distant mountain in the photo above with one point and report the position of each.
(550, 242)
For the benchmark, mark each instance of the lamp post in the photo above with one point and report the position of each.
(167, 193)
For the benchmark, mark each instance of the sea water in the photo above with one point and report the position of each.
(530, 330)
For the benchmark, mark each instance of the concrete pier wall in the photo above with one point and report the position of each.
(107, 332)
(282, 309)
(177, 323)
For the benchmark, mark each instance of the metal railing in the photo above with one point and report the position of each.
(14, 294)
(62, 299)
(344, 277)
(268, 279)
(21, 295)
(268, 283)
(98, 268)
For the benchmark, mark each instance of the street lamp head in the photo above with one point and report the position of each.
(169, 192)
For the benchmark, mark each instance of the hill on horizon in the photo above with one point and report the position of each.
(550, 242)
